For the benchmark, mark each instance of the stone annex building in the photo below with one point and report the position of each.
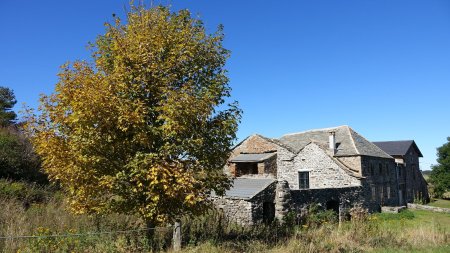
(334, 167)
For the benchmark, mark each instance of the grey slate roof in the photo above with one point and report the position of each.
(252, 157)
(397, 148)
(247, 188)
(350, 142)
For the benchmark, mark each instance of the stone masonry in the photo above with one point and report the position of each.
(324, 172)
(282, 200)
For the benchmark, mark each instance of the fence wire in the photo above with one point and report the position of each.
(85, 234)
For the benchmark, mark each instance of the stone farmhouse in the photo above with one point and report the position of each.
(335, 168)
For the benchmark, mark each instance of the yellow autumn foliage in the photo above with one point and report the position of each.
(143, 128)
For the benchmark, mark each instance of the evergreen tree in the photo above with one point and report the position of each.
(7, 102)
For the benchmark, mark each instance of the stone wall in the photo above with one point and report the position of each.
(270, 166)
(283, 200)
(415, 184)
(324, 172)
(353, 162)
(235, 210)
(257, 203)
(285, 163)
(347, 197)
(380, 182)
(429, 208)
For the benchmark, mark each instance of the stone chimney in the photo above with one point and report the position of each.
(332, 142)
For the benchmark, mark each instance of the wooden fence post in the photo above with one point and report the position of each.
(177, 235)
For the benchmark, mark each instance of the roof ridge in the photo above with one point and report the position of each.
(314, 130)
(350, 130)
(279, 143)
(394, 141)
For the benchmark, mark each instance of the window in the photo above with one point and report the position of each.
(388, 191)
(380, 169)
(246, 168)
(303, 180)
(371, 169)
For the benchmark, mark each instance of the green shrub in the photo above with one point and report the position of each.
(404, 214)
(317, 216)
(18, 161)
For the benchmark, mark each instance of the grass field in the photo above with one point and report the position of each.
(440, 203)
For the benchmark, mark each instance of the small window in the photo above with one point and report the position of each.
(388, 191)
(380, 169)
(303, 180)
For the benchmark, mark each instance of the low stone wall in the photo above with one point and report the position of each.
(346, 197)
(429, 208)
(392, 209)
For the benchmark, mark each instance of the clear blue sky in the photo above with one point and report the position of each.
(381, 67)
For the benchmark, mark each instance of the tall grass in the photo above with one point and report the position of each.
(28, 209)
(403, 232)
(41, 211)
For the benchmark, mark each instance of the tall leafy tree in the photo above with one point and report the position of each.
(440, 173)
(7, 102)
(145, 128)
